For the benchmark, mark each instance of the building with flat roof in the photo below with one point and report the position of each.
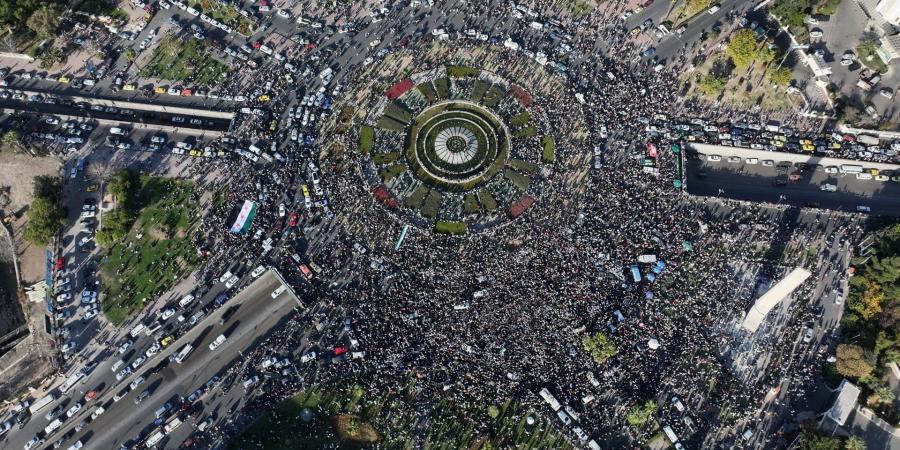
(889, 50)
(889, 10)
(844, 404)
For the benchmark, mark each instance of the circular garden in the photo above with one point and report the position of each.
(455, 149)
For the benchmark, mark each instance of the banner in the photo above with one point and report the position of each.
(244, 218)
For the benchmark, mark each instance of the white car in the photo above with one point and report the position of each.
(90, 314)
(153, 349)
(714, 158)
(283, 14)
(73, 410)
(839, 299)
(808, 337)
(308, 357)
(167, 313)
(231, 282)
(258, 271)
(63, 297)
(713, 9)
(32, 443)
(216, 343)
(225, 276)
(125, 346)
(137, 382)
(122, 374)
(816, 34)
(137, 362)
(269, 362)
(374, 43)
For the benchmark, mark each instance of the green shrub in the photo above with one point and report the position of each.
(493, 96)
(457, 228)
(428, 91)
(442, 86)
(366, 139)
(385, 158)
(548, 152)
(599, 346)
(391, 172)
(432, 205)
(462, 71)
(470, 204)
(520, 181)
(526, 132)
(487, 200)
(414, 201)
(398, 111)
(523, 166)
(520, 119)
(479, 90)
(390, 124)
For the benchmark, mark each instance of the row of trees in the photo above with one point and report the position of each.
(45, 215)
(118, 221)
(40, 16)
(871, 331)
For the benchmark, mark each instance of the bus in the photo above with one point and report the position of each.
(42, 403)
(154, 439)
(670, 434)
(71, 381)
(184, 353)
(851, 168)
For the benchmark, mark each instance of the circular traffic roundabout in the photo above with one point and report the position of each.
(456, 149)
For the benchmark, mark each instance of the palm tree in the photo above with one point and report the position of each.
(45, 20)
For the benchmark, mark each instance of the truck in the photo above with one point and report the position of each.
(42, 403)
(173, 423)
(851, 168)
(867, 139)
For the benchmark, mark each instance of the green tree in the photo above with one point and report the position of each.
(855, 443)
(12, 138)
(791, 12)
(851, 361)
(130, 54)
(45, 217)
(45, 20)
(116, 224)
(599, 346)
(812, 441)
(743, 48)
(121, 186)
(47, 186)
(51, 56)
(711, 86)
(638, 415)
(780, 76)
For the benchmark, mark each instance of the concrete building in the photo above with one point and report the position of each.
(889, 51)
(889, 10)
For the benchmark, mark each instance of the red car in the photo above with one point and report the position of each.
(293, 220)
(338, 351)
(257, 44)
(59, 263)
(306, 272)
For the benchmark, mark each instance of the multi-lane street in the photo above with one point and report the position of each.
(248, 318)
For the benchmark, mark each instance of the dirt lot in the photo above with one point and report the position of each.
(17, 171)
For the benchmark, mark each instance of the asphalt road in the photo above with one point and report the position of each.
(755, 183)
(143, 117)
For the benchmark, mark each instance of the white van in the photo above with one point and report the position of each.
(280, 290)
(49, 429)
(828, 187)
(864, 176)
(97, 412)
(250, 382)
(136, 331)
(187, 299)
(115, 367)
(117, 131)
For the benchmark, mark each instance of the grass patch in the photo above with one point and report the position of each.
(470, 204)
(398, 111)
(432, 205)
(227, 14)
(427, 90)
(391, 172)
(390, 124)
(462, 71)
(493, 96)
(487, 200)
(442, 86)
(415, 200)
(520, 181)
(526, 132)
(548, 149)
(523, 166)
(385, 158)
(827, 7)
(478, 91)
(157, 251)
(519, 119)
(366, 139)
(866, 51)
(455, 228)
(188, 60)
(578, 7)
